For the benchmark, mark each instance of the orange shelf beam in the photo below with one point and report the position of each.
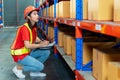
(99, 27)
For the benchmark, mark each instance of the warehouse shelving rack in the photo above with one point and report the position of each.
(107, 28)
(71, 22)
(1, 23)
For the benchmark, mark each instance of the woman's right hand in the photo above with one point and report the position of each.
(44, 43)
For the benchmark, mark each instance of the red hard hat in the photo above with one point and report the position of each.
(28, 10)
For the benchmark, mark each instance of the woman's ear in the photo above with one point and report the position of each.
(28, 17)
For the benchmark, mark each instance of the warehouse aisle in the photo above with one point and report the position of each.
(54, 67)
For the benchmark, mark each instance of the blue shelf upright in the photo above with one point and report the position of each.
(79, 40)
(37, 6)
(40, 12)
(55, 28)
(47, 5)
(42, 23)
(79, 48)
(37, 3)
(55, 23)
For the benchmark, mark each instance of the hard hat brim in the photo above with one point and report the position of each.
(36, 9)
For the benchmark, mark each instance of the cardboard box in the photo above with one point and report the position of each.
(44, 12)
(113, 71)
(64, 47)
(60, 38)
(95, 64)
(116, 10)
(51, 31)
(69, 45)
(101, 59)
(52, 11)
(73, 49)
(100, 9)
(85, 9)
(90, 9)
(57, 10)
(88, 49)
(64, 9)
(48, 11)
(73, 9)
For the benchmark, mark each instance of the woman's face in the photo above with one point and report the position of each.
(34, 16)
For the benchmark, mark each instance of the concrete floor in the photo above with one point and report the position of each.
(6, 62)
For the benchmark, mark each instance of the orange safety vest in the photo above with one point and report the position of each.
(23, 50)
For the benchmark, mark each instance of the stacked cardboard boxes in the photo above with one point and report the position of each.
(100, 9)
(73, 9)
(116, 10)
(101, 58)
(114, 71)
(64, 9)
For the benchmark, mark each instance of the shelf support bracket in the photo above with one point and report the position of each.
(87, 66)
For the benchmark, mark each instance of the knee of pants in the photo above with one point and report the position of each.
(39, 68)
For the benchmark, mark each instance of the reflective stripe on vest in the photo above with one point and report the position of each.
(23, 50)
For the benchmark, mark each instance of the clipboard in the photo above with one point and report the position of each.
(49, 46)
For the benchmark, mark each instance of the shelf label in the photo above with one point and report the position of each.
(98, 27)
(58, 20)
(78, 24)
(73, 23)
(65, 21)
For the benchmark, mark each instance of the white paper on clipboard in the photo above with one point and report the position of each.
(49, 46)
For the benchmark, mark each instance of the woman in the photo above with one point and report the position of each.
(24, 49)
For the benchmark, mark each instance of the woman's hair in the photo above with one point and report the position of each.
(29, 22)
